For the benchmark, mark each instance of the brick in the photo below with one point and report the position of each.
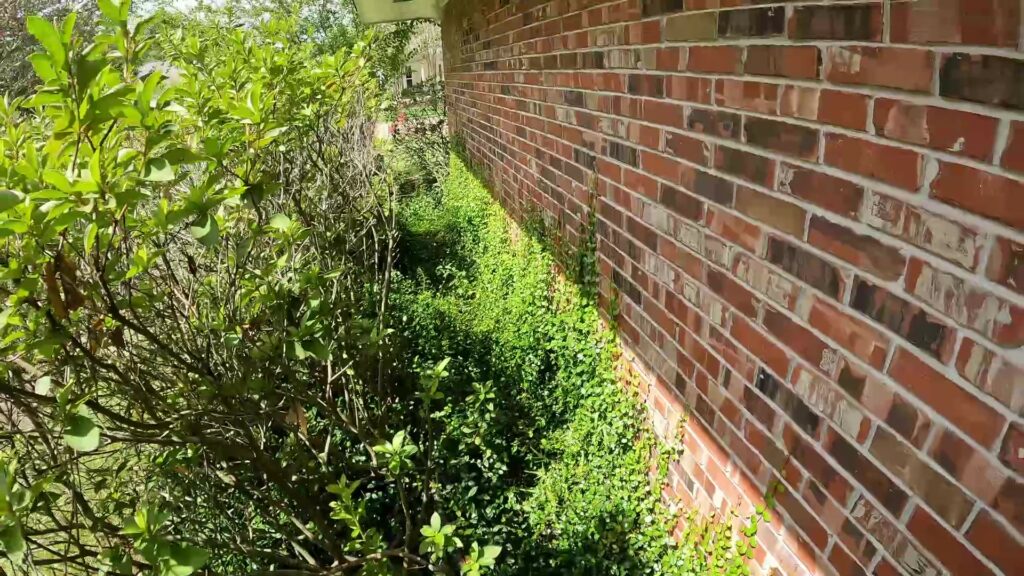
(791, 139)
(993, 539)
(800, 340)
(742, 164)
(765, 280)
(801, 62)
(900, 68)
(980, 78)
(960, 407)
(743, 95)
(924, 229)
(752, 22)
(978, 22)
(713, 188)
(993, 374)
(828, 399)
(681, 203)
(687, 148)
(805, 266)
(864, 252)
(903, 318)
(732, 292)
(733, 229)
(944, 545)
(861, 22)
(715, 59)
(1000, 320)
(898, 167)
(660, 7)
(779, 214)
(1006, 264)
(646, 85)
(855, 336)
(938, 493)
(983, 193)
(844, 109)
(1009, 502)
(963, 133)
(628, 155)
(833, 194)
(689, 89)
(714, 122)
(692, 27)
(788, 402)
(760, 346)
(803, 519)
(1011, 452)
(972, 468)
(868, 475)
(1013, 155)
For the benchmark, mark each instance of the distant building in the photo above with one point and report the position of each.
(425, 61)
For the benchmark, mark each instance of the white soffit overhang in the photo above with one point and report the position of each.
(378, 11)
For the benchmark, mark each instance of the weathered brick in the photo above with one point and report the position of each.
(692, 27)
(742, 164)
(833, 194)
(896, 166)
(973, 469)
(921, 228)
(1002, 321)
(805, 266)
(900, 68)
(715, 59)
(904, 318)
(778, 214)
(752, 22)
(986, 194)
(982, 78)
(788, 402)
(789, 61)
(760, 346)
(870, 476)
(828, 399)
(964, 410)
(659, 7)
(992, 373)
(993, 539)
(1006, 264)
(858, 22)
(733, 229)
(792, 139)
(801, 340)
(767, 281)
(956, 557)
(743, 95)
(979, 22)
(1011, 452)
(864, 252)
(939, 493)
(1013, 155)
(844, 109)
(714, 122)
(855, 336)
(964, 133)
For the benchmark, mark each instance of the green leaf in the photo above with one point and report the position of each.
(206, 230)
(43, 65)
(111, 9)
(13, 542)
(9, 199)
(280, 222)
(82, 434)
(47, 35)
(158, 170)
(185, 559)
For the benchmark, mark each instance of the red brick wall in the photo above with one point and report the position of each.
(811, 216)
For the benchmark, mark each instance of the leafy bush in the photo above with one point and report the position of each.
(212, 363)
